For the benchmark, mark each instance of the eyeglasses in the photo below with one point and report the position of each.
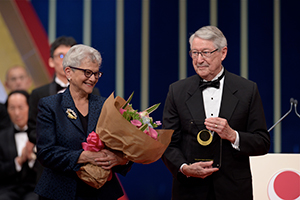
(88, 73)
(60, 55)
(205, 54)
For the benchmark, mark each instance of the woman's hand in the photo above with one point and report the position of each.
(111, 159)
(90, 157)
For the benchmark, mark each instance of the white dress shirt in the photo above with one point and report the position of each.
(21, 139)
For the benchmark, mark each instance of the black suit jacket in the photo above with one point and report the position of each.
(4, 117)
(59, 146)
(9, 177)
(36, 95)
(184, 112)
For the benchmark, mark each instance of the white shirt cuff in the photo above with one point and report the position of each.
(236, 144)
(18, 167)
(180, 169)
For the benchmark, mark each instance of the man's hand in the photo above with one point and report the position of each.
(221, 127)
(199, 169)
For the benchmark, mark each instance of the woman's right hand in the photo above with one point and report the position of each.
(89, 157)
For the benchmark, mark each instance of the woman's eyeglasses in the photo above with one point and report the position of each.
(88, 73)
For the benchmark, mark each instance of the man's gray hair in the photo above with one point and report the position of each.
(211, 33)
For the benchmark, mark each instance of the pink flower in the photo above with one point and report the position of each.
(136, 122)
(152, 133)
(93, 143)
(122, 111)
(158, 123)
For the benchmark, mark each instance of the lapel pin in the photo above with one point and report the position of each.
(71, 114)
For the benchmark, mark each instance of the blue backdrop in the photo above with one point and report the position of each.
(154, 181)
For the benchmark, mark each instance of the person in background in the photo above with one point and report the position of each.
(17, 78)
(218, 122)
(17, 172)
(58, 50)
(64, 121)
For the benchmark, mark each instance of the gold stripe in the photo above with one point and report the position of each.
(9, 54)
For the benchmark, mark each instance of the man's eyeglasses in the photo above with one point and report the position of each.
(60, 55)
(88, 73)
(205, 54)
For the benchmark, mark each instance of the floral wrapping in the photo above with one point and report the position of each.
(119, 134)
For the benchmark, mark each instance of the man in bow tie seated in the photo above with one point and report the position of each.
(218, 122)
(17, 160)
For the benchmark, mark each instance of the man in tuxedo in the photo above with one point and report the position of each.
(17, 170)
(218, 122)
(58, 50)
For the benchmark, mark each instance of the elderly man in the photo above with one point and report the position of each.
(17, 79)
(219, 122)
(18, 176)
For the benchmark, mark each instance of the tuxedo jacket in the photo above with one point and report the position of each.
(9, 177)
(4, 117)
(184, 113)
(59, 146)
(36, 95)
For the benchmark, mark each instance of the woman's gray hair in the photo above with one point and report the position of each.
(211, 33)
(80, 52)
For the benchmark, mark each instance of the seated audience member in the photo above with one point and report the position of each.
(17, 173)
(17, 78)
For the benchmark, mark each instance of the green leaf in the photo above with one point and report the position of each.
(142, 128)
(152, 108)
(128, 100)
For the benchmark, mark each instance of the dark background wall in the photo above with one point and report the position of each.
(154, 181)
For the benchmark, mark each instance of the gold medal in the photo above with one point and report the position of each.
(204, 137)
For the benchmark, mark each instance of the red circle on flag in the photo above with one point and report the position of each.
(285, 185)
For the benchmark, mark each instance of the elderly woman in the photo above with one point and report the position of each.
(64, 121)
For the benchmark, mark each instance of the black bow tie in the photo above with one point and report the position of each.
(59, 87)
(215, 83)
(19, 131)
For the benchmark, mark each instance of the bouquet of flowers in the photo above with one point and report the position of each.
(141, 120)
(119, 134)
(124, 129)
